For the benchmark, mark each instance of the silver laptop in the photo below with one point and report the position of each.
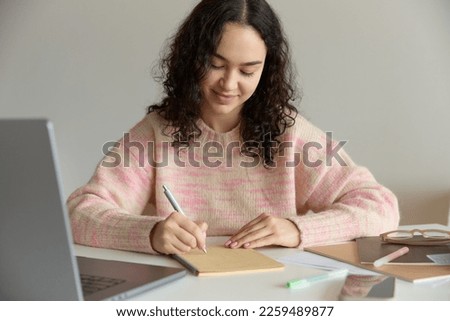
(37, 260)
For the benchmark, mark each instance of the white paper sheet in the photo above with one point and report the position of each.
(320, 262)
(440, 259)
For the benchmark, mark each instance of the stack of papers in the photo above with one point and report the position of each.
(320, 262)
(440, 259)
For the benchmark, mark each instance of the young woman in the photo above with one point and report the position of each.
(227, 140)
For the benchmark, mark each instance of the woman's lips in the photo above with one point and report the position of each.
(224, 98)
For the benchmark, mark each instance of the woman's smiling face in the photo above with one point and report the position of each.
(234, 74)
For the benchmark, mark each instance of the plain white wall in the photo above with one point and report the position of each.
(375, 72)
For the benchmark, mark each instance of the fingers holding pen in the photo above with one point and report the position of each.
(197, 230)
(167, 236)
(178, 234)
(192, 234)
(201, 240)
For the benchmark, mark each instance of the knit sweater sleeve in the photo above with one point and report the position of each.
(109, 211)
(336, 199)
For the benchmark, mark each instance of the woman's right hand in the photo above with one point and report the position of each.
(178, 234)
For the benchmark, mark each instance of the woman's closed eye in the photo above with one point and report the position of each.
(216, 66)
(247, 74)
(243, 72)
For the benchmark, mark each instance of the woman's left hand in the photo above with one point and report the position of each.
(266, 230)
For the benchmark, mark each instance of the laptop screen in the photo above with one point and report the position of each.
(37, 256)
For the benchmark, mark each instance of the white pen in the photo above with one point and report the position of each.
(390, 257)
(303, 283)
(175, 205)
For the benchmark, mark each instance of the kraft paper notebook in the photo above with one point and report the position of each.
(372, 248)
(348, 253)
(221, 261)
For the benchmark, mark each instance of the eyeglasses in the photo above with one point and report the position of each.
(417, 237)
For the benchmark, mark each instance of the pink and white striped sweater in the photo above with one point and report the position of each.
(324, 193)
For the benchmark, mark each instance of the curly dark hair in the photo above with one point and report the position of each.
(266, 114)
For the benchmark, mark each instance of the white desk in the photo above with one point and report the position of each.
(263, 286)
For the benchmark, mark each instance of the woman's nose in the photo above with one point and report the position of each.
(229, 81)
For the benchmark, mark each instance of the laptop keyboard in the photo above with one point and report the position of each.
(93, 283)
